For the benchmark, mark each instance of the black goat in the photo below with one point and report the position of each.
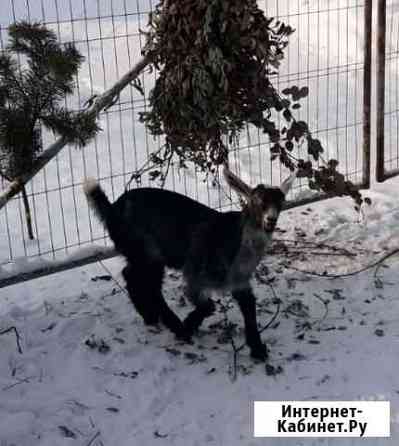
(153, 228)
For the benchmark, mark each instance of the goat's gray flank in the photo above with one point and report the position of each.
(252, 248)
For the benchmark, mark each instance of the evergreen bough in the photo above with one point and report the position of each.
(37, 73)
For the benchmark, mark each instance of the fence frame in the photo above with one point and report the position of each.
(381, 173)
(103, 252)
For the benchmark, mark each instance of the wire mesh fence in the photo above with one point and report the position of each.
(326, 53)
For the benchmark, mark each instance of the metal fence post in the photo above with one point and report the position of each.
(368, 15)
(381, 36)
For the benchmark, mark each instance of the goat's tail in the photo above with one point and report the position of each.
(98, 200)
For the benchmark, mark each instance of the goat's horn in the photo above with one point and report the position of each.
(236, 183)
(288, 182)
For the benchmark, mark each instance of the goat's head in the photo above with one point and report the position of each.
(262, 203)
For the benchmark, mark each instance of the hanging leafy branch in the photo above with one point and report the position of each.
(37, 73)
(216, 61)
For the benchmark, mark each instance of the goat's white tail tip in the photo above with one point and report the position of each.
(89, 185)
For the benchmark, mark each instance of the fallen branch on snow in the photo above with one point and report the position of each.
(14, 329)
(20, 381)
(377, 264)
(92, 440)
(236, 350)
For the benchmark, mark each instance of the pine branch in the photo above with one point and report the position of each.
(10, 82)
(101, 102)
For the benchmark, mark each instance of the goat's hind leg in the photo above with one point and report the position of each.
(140, 294)
(144, 283)
(247, 303)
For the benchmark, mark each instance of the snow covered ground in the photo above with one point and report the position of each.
(90, 369)
(90, 372)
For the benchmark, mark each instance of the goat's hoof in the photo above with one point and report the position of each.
(260, 352)
(151, 320)
(184, 336)
(189, 329)
(182, 333)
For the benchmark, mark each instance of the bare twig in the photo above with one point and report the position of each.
(114, 395)
(317, 245)
(28, 214)
(20, 381)
(14, 329)
(377, 263)
(278, 303)
(149, 165)
(146, 167)
(325, 303)
(235, 360)
(377, 268)
(120, 286)
(228, 327)
(159, 435)
(96, 435)
(216, 180)
(236, 349)
(318, 253)
(165, 173)
(274, 317)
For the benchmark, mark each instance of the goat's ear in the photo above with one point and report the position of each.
(236, 183)
(287, 183)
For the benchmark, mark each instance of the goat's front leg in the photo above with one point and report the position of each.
(204, 307)
(169, 318)
(197, 316)
(247, 303)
